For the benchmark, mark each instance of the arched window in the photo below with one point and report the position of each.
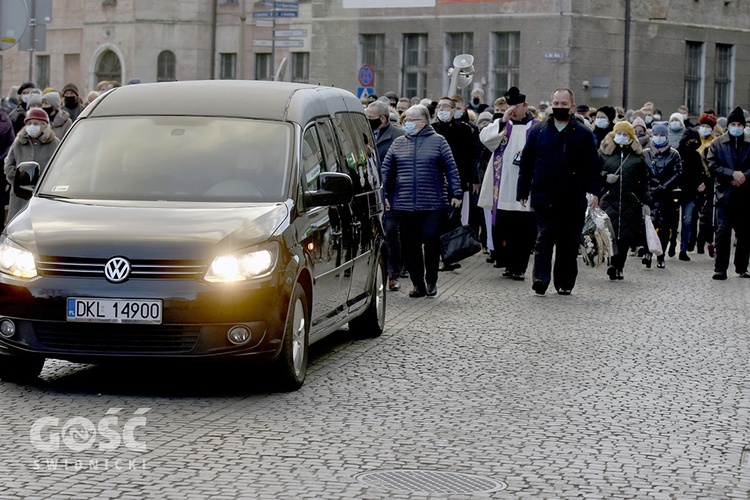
(166, 67)
(108, 68)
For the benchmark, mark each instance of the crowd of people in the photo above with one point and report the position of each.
(524, 176)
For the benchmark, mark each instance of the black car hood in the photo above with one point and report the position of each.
(143, 230)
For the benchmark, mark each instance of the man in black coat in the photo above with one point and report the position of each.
(729, 162)
(559, 166)
(385, 133)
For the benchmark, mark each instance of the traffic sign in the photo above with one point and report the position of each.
(286, 13)
(14, 18)
(365, 91)
(290, 33)
(366, 75)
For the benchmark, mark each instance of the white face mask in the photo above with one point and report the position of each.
(33, 130)
(444, 116)
(659, 140)
(657, 117)
(649, 119)
(458, 114)
(601, 122)
(622, 139)
(704, 131)
(675, 125)
(736, 131)
(25, 97)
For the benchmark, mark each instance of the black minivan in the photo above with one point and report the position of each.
(197, 220)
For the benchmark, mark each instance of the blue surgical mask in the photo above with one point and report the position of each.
(444, 116)
(649, 119)
(675, 125)
(410, 128)
(601, 122)
(736, 131)
(659, 140)
(622, 139)
(458, 114)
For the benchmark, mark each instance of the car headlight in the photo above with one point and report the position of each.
(16, 261)
(257, 263)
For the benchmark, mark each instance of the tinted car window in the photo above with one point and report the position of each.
(173, 158)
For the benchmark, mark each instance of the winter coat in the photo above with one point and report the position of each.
(415, 172)
(665, 168)
(18, 117)
(601, 133)
(693, 169)
(463, 143)
(61, 123)
(27, 149)
(386, 136)
(623, 201)
(7, 136)
(726, 155)
(558, 168)
(73, 112)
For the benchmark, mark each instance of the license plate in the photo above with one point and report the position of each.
(94, 310)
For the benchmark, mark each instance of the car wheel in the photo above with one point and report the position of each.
(371, 322)
(19, 368)
(292, 362)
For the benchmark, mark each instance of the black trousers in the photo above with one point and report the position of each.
(513, 235)
(559, 232)
(623, 245)
(420, 235)
(733, 215)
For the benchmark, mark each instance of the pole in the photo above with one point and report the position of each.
(243, 17)
(273, 40)
(32, 37)
(213, 39)
(626, 62)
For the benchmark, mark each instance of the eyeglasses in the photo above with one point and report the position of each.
(413, 119)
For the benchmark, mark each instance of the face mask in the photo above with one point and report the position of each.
(693, 145)
(561, 114)
(71, 101)
(410, 128)
(704, 131)
(458, 114)
(736, 131)
(25, 97)
(659, 140)
(622, 140)
(496, 116)
(601, 122)
(444, 116)
(657, 117)
(374, 123)
(475, 101)
(675, 125)
(49, 111)
(649, 119)
(33, 130)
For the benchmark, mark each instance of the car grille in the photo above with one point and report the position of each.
(147, 269)
(116, 338)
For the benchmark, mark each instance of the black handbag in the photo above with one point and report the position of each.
(458, 243)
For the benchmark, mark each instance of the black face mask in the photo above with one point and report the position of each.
(475, 101)
(71, 101)
(496, 116)
(375, 123)
(49, 111)
(561, 114)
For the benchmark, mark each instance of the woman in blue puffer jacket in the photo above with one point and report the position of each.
(418, 172)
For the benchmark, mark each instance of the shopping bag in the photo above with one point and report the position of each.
(652, 239)
(597, 240)
(459, 242)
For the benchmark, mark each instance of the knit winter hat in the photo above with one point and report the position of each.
(36, 114)
(737, 115)
(638, 122)
(70, 86)
(53, 98)
(676, 116)
(660, 128)
(484, 116)
(707, 119)
(35, 98)
(609, 111)
(26, 85)
(625, 126)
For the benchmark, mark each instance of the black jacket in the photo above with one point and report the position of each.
(558, 168)
(463, 143)
(725, 155)
(385, 139)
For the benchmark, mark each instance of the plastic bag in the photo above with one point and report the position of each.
(652, 238)
(597, 244)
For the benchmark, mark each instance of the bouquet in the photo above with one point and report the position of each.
(597, 244)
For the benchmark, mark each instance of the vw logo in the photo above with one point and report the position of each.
(117, 269)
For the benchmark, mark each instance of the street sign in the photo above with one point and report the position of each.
(289, 43)
(365, 91)
(262, 43)
(14, 18)
(286, 13)
(290, 33)
(553, 55)
(366, 75)
(263, 13)
(260, 23)
(287, 5)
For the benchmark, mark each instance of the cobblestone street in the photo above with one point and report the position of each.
(629, 389)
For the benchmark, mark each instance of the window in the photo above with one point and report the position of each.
(301, 67)
(166, 67)
(42, 72)
(723, 83)
(694, 70)
(228, 68)
(263, 67)
(372, 52)
(414, 66)
(312, 160)
(456, 44)
(506, 61)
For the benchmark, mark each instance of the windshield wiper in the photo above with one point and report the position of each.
(53, 196)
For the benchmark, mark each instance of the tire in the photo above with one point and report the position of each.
(371, 323)
(20, 368)
(291, 366)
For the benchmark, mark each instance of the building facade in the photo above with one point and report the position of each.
(619, 52)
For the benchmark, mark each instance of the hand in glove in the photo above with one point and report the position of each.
(612, 178)
(646, 211)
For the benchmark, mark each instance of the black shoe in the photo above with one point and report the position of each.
(647, 260)
(431, 289)
(490, 259)
(563, 291)
(417, 292)
(517, 277)
(404, 274)
(660, 263)
(539, 287)
(744, 274)
(507, 274)
(671, 251)
(449, 267)
(612, 273)
(700, 250)
(720, 275)
(684, 256)
(619, 275)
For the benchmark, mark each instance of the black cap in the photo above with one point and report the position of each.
(514, 96)
(737, 115)
(26, 85)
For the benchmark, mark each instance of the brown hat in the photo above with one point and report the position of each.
(70, 86)
(626, 127)
(707, 119)
(36, 114)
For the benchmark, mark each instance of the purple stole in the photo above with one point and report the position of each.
(497, 164)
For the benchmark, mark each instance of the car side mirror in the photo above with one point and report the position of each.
(27, 175)
(335, 189)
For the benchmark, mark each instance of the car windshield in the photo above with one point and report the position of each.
(172, 158)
